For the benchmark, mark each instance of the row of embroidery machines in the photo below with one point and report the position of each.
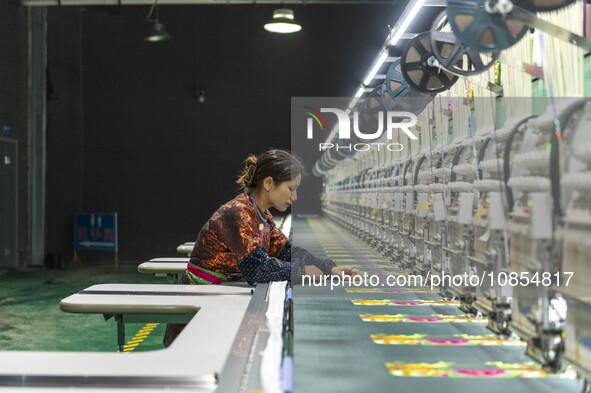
(490, 182)
(505, 214)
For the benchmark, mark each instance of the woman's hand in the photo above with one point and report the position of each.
(313, 271)
(345, 271)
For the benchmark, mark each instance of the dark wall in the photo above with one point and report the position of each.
(65, 129)
(13, 104)
(127, 134)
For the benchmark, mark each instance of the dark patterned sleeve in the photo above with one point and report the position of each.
(303, 256)
(258, 267)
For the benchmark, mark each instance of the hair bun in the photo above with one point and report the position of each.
(280, 165)
(251, 161)
(250, 167)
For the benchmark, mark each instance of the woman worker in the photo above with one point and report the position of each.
(241, 239)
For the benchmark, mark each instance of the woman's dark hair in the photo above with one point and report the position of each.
(281, 165)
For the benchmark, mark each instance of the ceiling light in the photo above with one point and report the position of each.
(157, 33)
(406, 22)
(283, 22)
(358, 95)
(375, 68)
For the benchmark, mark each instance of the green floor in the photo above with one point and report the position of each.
(31, 320)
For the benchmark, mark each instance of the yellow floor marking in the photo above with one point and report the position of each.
(8, 299)
(139, 337)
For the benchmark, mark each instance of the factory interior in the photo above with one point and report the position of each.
(446, 146)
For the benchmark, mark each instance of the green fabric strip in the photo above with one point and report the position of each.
(200, 281)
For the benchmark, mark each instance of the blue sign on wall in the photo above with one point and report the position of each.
(95, 231)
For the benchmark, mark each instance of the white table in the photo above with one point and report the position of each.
(185, 248)
(163, 269)
(214, 314)
(170, 259)
(144, 303)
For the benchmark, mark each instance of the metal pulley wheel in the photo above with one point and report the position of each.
(370, 112)
(480, 30)
(397, 95)
(456, 57)
(420, 67)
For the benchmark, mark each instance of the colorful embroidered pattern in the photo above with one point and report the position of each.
(454, 339)
(487, 370)
(433, 318)
(387, 302)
